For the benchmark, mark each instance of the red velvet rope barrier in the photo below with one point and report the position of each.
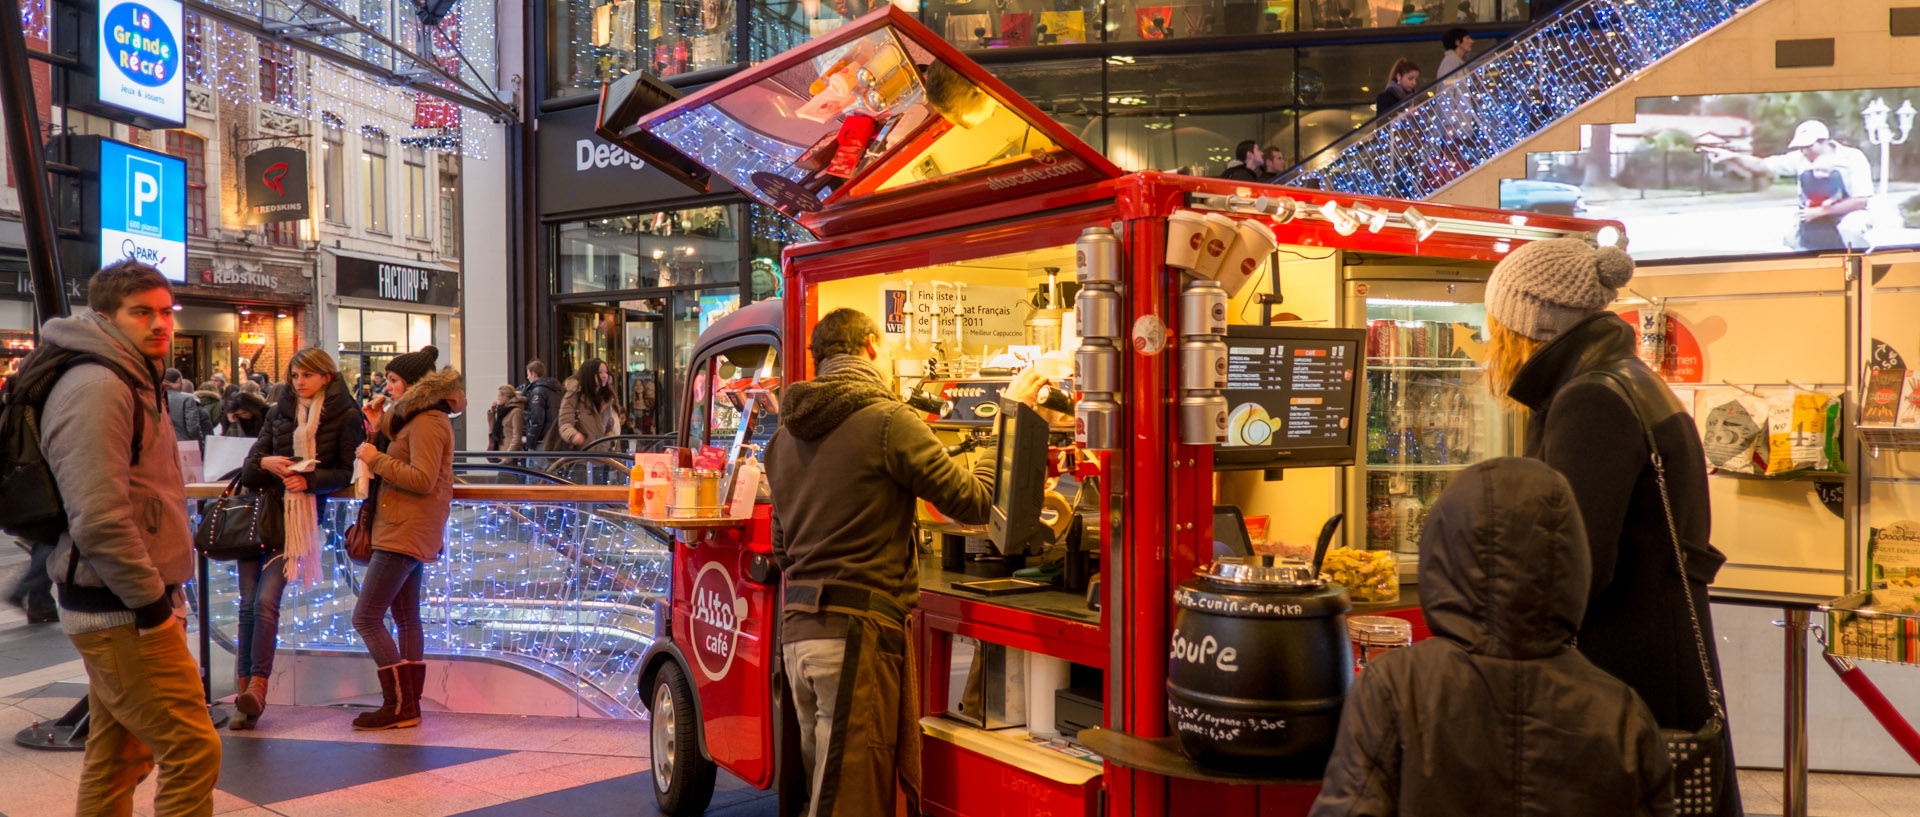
(1883, 711)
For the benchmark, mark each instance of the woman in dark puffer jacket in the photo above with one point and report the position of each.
(315, 420)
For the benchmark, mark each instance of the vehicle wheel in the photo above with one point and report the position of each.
(682, 778)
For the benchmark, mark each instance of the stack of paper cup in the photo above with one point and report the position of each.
(1186, 236)
(1247, 256)
(1222, 234)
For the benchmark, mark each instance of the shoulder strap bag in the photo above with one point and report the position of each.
(358, 539)
(239, 525)
(1699, 757)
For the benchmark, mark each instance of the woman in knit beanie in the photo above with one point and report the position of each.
(1558, 352)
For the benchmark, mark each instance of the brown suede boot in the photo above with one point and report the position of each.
(392, 692)
(241, 721)
(253, 699)
(413, 677)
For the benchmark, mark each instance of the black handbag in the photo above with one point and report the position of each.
(1699, 757)
(240, 524)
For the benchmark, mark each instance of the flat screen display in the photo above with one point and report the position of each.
(1742, 174)
(1291, 396)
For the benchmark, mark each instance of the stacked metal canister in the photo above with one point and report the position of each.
(1203, 363)
(1099, 311)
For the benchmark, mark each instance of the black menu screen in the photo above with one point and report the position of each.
(1292, 389)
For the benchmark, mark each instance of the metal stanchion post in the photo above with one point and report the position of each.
(1793, 761)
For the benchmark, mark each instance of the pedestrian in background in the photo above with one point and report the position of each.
(190, 422)
(507, 421)
(1459, 50)
(127, 549)
(415, 470)
(543, 407)
(305, 451)
(1401, 81)
(591, 409)
(1557, 351)
(246, 411)
(1248, 165)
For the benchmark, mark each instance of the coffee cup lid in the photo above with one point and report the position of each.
(1258, 228)
(1186, 215)
(1216, 218)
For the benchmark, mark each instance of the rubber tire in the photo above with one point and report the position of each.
(689, 783)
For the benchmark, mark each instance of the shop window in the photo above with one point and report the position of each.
(971, 25)
(373, 158)
(732, 383)
(333, 155)
(370, 338)
(772, 233)
(282, 233)
(1324, 14)
(415, 161)
(277, 73)
(193, 149)
(450, 214)
(591, 42)
(193, 51)
(665, 249)
(265, 343)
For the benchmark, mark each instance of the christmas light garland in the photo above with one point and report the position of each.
(1497, 103)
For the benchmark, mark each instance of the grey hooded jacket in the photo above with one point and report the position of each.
(127, 524)
(1498, 713)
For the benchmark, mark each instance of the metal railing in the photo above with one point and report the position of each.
(1509, 94)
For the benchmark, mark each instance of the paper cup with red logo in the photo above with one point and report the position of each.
(654, 494)
(1221, 236)
(1186, 234)
(1246, 257)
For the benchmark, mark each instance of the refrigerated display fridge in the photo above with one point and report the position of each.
(1430, 413)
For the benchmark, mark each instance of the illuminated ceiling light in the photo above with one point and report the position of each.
(688, 251)
(1421, 224)
(177, 307)
(1609, 236)
(1343, 222)
(281, 314)
(245, 311)
(1120, 59)
(659, 254)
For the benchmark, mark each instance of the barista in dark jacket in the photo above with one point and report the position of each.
(1498, 713)
(1556, 351)
(314, 419)
(543, 406)
(845, 470)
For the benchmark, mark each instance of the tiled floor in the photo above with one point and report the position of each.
(305, 761)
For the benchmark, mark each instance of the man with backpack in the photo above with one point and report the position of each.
(123, 547)
(543, 407)
(190, 421)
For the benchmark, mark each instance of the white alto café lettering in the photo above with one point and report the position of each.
(591, 155)
(1206, 650)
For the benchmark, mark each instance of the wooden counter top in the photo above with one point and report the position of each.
(597, 494)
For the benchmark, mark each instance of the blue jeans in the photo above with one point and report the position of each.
(261, 585)
(391, 584)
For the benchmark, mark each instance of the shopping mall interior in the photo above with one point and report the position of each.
(1213, 291)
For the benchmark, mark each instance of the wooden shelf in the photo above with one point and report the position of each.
(1163, 756)
(596, 494)
(677, 524)
(1791, 476)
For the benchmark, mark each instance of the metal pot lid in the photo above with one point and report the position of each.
(1260, 571)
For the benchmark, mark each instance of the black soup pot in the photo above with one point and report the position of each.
(1260, 663)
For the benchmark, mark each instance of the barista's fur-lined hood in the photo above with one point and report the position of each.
(443, 390)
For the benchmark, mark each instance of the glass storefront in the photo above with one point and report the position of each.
(636, 291)
(369, 338)
(590, 42)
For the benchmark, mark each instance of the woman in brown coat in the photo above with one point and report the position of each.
(591, 409)
(409, 526)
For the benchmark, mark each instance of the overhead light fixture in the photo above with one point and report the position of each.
(177, 307)
(1421, 224)
(1343, 221)
(1375, 219)
(245, 311)
(659, 254)
(281, 314)
(1283, 208)
(1609, 236)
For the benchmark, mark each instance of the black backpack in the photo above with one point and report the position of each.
(33, 512)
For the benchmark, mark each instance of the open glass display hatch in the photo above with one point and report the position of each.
(880, 113)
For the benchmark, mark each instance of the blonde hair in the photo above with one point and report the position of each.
(1507, 351)
(316, 360)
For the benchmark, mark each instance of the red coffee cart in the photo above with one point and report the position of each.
(984, 237)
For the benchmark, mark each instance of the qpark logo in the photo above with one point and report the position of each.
(143, 196)
(139, 43)
(717, 614)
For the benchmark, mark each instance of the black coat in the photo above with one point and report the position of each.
(1498, 713)
(1240, 173)
(543, 410)
(254, 406)
(1638, 624)
(342, 429)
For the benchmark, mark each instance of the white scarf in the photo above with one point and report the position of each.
(302, 563)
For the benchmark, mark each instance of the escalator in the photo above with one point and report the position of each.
(1508, 95)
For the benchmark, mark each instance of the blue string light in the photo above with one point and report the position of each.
(1502, 101)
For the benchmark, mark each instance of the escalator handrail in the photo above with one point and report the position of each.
(1325, 156)
(503, 468)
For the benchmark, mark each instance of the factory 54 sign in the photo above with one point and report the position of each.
(139, 60)
(393, 281)
(143, 208)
